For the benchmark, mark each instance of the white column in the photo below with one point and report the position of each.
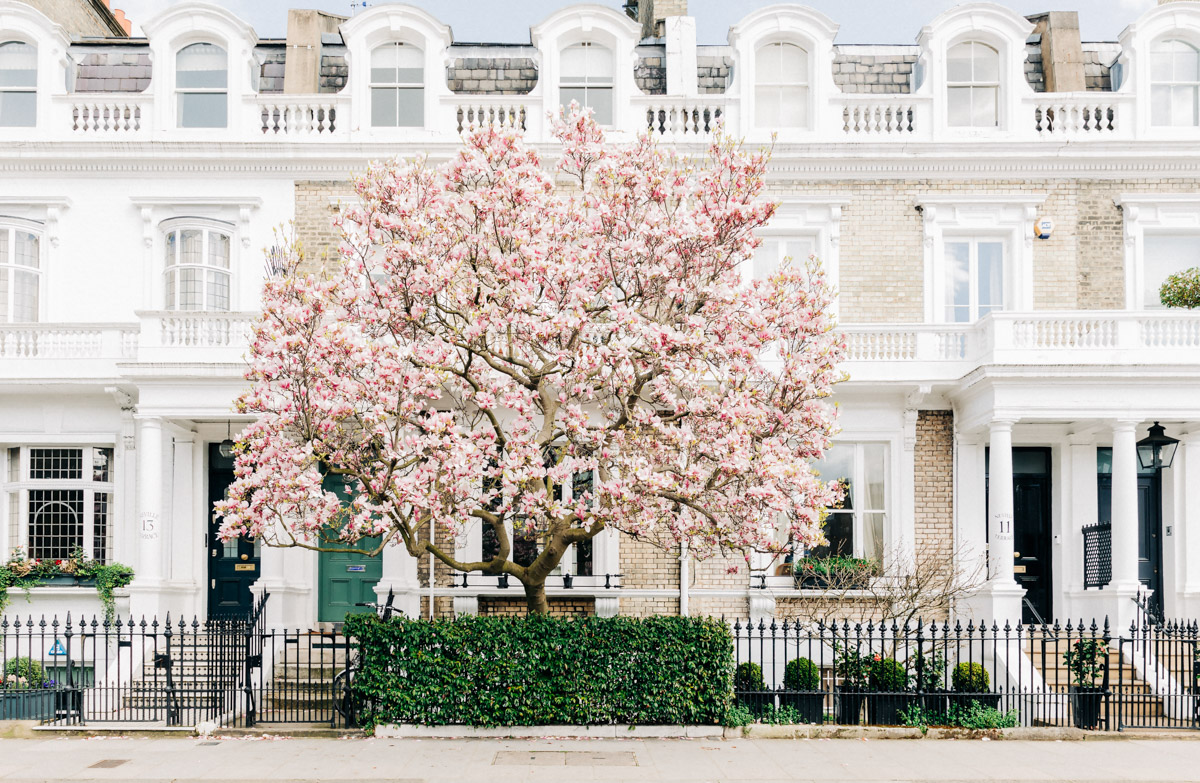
(1124, 507)
(970, 519)
(1187, 525)
(1083, 495)
(1000, 504)
(150, 484)
(400, 578)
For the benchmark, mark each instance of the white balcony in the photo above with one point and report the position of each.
(682, 120)
(933, 352)
(169, 337)
(67, 352)
(294, 117)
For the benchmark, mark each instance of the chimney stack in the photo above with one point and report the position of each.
(652, 14)
(302, 67)
(1062, 51)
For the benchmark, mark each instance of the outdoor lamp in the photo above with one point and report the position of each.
(226, 447)
(1156, 450)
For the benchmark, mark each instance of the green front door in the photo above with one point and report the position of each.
(344, 579)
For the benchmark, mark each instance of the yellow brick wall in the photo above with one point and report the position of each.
(934, 488)
(516, 607)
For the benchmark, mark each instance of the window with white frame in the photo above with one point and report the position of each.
(18, 84)
(1175, 84)
(20, 274)
(1163, 256)
(856, 527)
(397, 86)
(197, 268)
(972, 85)
(587, 79)
(781, 86)
(578, 560)
(774, 249)
(974, 278)
(61, 499)
(201, 83)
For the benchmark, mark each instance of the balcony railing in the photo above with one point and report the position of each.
(1081, 115)
(295, 116)
(883, 117)
(682, 119)
(199, 337)
(99, 115)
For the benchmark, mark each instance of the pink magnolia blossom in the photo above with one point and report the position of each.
(496, 327)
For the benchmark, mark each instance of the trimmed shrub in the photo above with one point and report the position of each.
(1181, 289)
(535, 671)
(970, 678)
(22, 673)
(801, 674)
(749, 677)
(887, 675)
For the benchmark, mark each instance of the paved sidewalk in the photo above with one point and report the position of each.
(561, 761)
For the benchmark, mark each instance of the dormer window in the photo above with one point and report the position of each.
(397, 86)
(201, 82)
(781, 86)
(973, 85)
(18, 85)
(197, 269)
(1175, 84)
(587, 79)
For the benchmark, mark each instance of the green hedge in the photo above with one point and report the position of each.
(536, 671)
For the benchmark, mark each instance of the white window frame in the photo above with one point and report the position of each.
(973, 241)
(23, 89)
(972, 85)
(180, 92)
(1194, 84)
(987, 216)
(591, 83)
(857, 511)
(9, 227)
(207, 227)
(805, 85)
(20, 488)
(418, 86)
(1153, 214)
(815, 219)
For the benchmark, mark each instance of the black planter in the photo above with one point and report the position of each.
(809, 704)
(963, 701)
(933, 703)
(849, 707)
(883, 709)
(757, 702)
(1086, 703)
(822, 582)
(65, 580)
(27, 705)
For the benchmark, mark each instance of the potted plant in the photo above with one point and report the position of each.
(818, 573)
(1086, 661)
(24, 691)
(1181, 289)
(750, 689)
(888, 681)
(77, 570)
(970, 682)
(802, 690)
(853, 669)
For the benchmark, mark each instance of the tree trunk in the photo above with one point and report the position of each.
(535, 597)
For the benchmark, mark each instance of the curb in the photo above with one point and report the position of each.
(620, 731)
(1022, 733)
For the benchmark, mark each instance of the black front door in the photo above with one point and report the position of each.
(232, 565)
(1031, 543)
(1150, 533)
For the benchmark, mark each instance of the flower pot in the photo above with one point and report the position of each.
(809, 704)
(963, 701)
(65, 580)
(27, 705)
(756, 701)
(883, 709)
(849, 707)
(822, 582)
(1086, 703)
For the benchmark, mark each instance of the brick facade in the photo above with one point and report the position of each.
(933, 486)
(516, 607)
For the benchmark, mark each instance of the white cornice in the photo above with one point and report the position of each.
(253, 202)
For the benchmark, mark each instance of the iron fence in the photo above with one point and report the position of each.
(974, 675)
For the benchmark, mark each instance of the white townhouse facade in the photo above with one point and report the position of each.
(996, 202)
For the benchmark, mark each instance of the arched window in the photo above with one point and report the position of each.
(1175, 84)
(18, 85)
(197, 269)
(973, 85)
(20, 274)
(201, 80)
(397, 86)
(587, 78)
(781, 86)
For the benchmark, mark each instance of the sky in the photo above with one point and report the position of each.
(508, 21)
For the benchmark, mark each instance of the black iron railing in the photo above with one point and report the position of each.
(1097, 554)
(1083, 675)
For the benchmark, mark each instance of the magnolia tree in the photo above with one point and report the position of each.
(496, 329)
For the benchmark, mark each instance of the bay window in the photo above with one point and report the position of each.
(197, 268)
(856, 527)
(20, 274)
(60, 499)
